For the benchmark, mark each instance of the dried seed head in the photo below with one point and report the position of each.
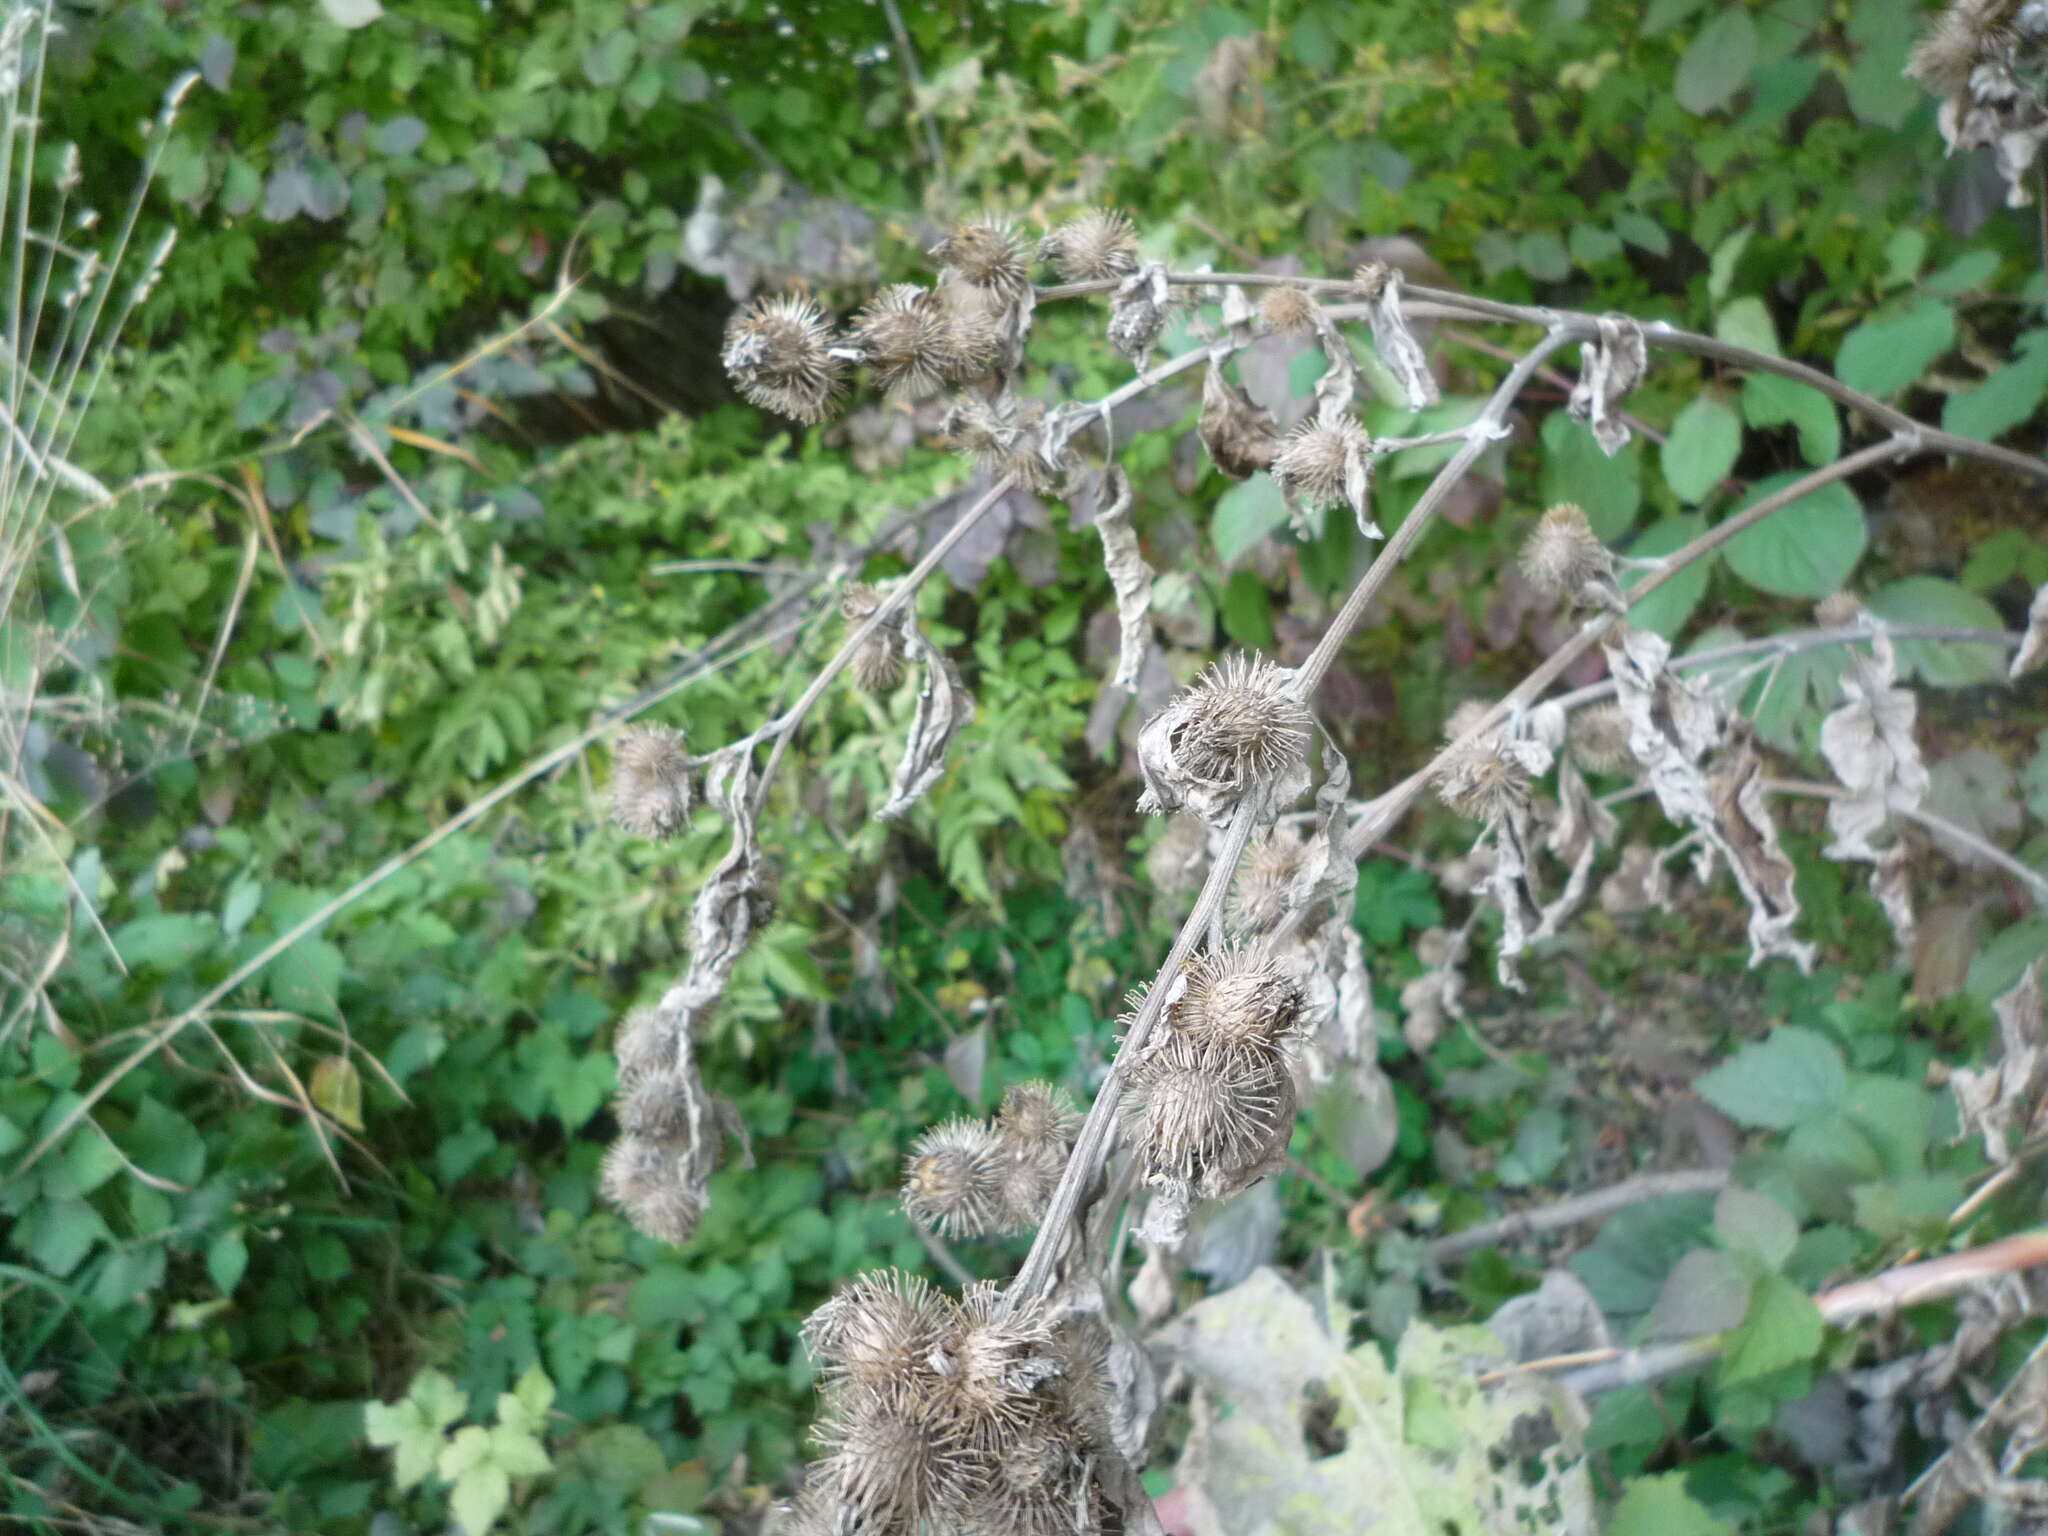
(878, 662)
(658, 1108)
(1599, 740)
(1325, 462)
(887, 1467)
(989, 433)
(1265, 880)
(1562, 554)
(987, 253)
(779, 354)
(1209, 1117)
(1244, 725)
(1029, 1176)
(914, 342)
(1838, 610)
(1290, 311)
(1466, 717)
(1037, 1115)
(645, 1046)
(1966, 34)
(651, 789)
(1238, 999)
(993, 1362)
(1034, 1488)
(953, 1179)
(1372, 278)
(1101, 243)
(653, 1183)
(1485, 783)
(881, 1327)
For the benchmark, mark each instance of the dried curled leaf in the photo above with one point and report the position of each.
(943, 707)
(1638, 883)
(2005, 1104)
(1391, 337)
(1241, 437)
(2034, 648)
(1610, 367)
(1433, 999)
(1674, 731)
(1129, 576)
(1137, 312)
(1868, 742)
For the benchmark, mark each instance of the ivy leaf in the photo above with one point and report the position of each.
(1776, 1083)
(1701, 448)
(1716, 64)
(1881, 357)
(1806, 549)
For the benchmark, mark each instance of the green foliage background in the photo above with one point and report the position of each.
(423, 577)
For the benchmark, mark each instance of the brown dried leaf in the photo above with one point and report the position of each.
(1137, 312)
(1240, 436)
(1610, 368)
(2034, 649)
(1396, 344)
(1129, 576)
(1638, 883)
(943, 707)
(1746, 834)
(2004, 1104)
(1869, 743)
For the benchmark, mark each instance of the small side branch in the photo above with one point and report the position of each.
(1591, 1206)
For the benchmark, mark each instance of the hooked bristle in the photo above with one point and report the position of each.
(953, 1180)
(987, 253)
(1245, 725)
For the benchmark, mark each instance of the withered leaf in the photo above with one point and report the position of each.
(1129, 576)
(1240, 436)
(943, 707)
(1745, 832)
(2004, 1103)
(2034, 649)
(1638, 883)
(1392, 338)
(1137, 312)
(1610, 367)
(1868, 741)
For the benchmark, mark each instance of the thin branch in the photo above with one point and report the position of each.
(919, 109)
(1580, 1208)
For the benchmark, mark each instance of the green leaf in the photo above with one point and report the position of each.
(1745, 322)
(481, 1488)
(1665, 610)
(165, 1143)
(1245, 514)
(1705, 1292)
(1772, 400)
(167, 941)
(1782, 1327)
(1248, 610)
(1776, 1083)
(1934, 600)
(1757, 1224)
(1663, 15)
(1543, 256)
(1645, 234)
(227, 1259)
(306, 978)
(1539, 1146)
(608, 60)
(1717, 63)
(1806, 549)
(1881, 357)
(60, 1234)
(1609, 491)
(2003, 401)
(1701, 449)
(352, 13)
(1660, 1506)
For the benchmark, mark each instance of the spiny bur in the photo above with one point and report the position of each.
(651, 789)
(1245, 726)
(1321, 461)
(780, 355)
(1095, 245)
